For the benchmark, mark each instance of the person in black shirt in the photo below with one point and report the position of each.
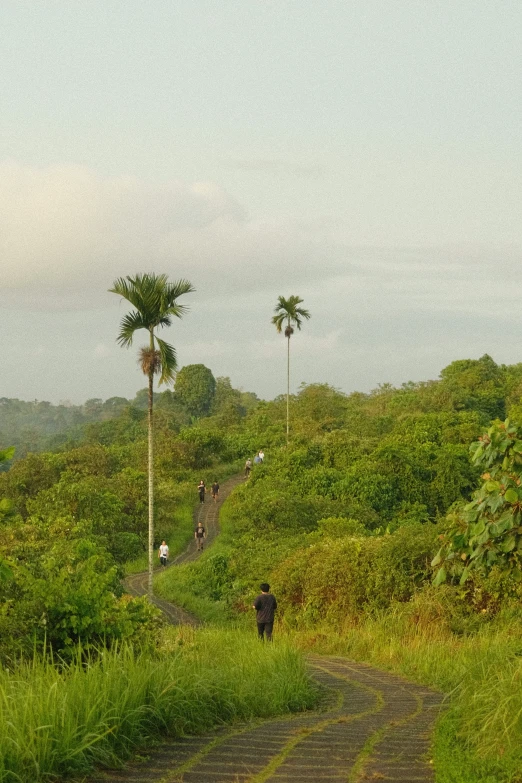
(201, 489)
(265, 605)
(200, 534)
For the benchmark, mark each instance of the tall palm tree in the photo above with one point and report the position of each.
(155, 303)
(288, 312)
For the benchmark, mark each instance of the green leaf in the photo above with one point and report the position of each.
(511, 496)
(491, 486)
(478, 528)
(508, 544)
(437, 559)
(440, 577)
(517, 446)
(464, 576)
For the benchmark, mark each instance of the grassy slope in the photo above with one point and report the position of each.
(56, 722)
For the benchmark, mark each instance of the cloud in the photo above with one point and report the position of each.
(66, 232)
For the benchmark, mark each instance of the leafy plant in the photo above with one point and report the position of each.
(487, 532)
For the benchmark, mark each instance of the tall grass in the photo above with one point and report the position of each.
(57, 721)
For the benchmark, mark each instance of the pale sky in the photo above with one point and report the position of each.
(364, 155)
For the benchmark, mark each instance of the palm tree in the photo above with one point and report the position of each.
(155, 302)
(288, 312)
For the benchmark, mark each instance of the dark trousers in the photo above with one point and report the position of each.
(265, 629)
(163, 560)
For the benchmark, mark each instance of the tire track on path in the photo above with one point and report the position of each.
(371, 725)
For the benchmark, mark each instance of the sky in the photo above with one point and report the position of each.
(361, 154)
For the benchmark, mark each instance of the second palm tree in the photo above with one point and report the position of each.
(288, 312)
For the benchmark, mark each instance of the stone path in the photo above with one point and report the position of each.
(372, 726)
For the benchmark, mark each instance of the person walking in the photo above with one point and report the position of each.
(248, 467)
(200, 534)
(163, 553)
(265, 606)
(202, 489)
(257, 459)
(262, 455)
(215, 491)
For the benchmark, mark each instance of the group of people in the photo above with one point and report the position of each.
(200, 534)
(258, 460)
(214, 490)
(265, 604)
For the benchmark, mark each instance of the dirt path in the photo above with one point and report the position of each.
(373, 726)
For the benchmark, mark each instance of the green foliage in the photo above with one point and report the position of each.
(344, 576)
(478, 384)
(196, 388)
(155, 300)
(61, 721)
(288, 311)
(487, 532)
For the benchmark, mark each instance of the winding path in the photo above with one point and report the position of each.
(372, 725)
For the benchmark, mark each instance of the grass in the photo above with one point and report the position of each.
(178, 532)
(59, 721)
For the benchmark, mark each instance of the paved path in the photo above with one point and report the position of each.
(372, 726)
(208, 513)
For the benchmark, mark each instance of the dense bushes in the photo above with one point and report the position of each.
(340, 577)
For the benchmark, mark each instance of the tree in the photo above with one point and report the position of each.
(288, 312)
(487, 532)
(196, 388)
(155, 301)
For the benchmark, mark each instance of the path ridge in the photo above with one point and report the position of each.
(372, 726)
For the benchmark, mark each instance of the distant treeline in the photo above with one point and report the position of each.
(38, 425)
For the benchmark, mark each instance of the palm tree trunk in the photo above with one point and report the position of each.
(288, 392)
(151, 475)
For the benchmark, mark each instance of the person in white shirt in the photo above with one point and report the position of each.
(163, 553)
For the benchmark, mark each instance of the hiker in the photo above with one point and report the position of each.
(248, 467)
(200, 534)
(202, 489)
(215, 490)
(163, 553)
(257, 459)
(262, 455)
(265, 605)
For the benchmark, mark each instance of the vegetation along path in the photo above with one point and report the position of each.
(372, 726)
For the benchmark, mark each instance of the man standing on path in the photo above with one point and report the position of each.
(248, 467)
(163, 553)
(200, 535)
(201, 490)
(265, 605)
